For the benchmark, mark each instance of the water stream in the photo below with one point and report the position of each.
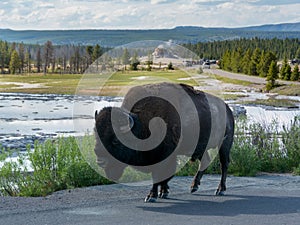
(25, 118)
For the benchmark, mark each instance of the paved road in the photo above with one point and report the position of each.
(237, 76)
(267, 199)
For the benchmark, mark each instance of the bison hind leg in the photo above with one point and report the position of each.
(196, 182)
(220, 193)
(224, 161)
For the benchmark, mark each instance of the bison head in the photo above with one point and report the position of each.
(109, 122)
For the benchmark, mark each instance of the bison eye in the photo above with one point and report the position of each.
(115, 141)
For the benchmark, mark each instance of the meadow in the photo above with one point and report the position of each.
(68, 83)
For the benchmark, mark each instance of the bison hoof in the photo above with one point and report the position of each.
(163, 195)
(194, 188)
(220, 193)
(150, 199)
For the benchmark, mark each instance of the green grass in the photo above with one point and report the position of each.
(291, 90)
(232, 81)
(281, 103)
(8, 86)
(227, 97)
(52, 83)
(68, 83)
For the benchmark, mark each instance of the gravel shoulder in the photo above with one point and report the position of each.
(265, 199)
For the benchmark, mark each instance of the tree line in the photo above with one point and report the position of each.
(289, 48)
(257, 63)
(47, 58)
(257, 57)
(249, 56)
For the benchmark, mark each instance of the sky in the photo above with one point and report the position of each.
(143, 14)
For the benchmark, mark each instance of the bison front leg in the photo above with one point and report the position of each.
(164, 188)
(152, 196)
(163, 193)
(205, 160)
(167, 169)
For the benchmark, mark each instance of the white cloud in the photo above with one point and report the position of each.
(124, 14)
(158, 1)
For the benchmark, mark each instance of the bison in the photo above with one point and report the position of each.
(155, 124)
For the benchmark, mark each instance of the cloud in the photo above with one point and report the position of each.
(136, 14)
(273, 3)
(161, 1)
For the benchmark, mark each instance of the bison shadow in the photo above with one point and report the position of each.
(231, 205)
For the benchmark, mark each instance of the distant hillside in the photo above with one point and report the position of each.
(111, 38)
(276, 27)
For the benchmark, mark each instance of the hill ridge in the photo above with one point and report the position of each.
(179, 34)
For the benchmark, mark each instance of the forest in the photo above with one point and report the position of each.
(249, 56)
(20, 58)
(271, 58)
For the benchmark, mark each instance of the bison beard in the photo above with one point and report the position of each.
(135, 115)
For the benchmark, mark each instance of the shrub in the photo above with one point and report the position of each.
(54, 165)
(291, 142)
(244, 160)
(296, 170)
(170, 66)
(259, 147)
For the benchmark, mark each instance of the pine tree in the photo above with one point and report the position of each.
(295, 74)
(297, 56)
(126, 57)
(272, 76)
(38, 60)
(28, 61)
(4, 55)
(226, 61)
(245, 62)
(265, 63)
(97, 52)
(283, 69)
(255, 58)
(48, 55)
(134, 62)
(261, 64)
(89, 52)
(236, 60)
(15, 63)
(22, 56)
(287, 72)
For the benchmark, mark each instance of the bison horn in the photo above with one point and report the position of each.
(128, 127)
(96, 113)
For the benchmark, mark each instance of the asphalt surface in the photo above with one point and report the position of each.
(266, 199)
(244, 77)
